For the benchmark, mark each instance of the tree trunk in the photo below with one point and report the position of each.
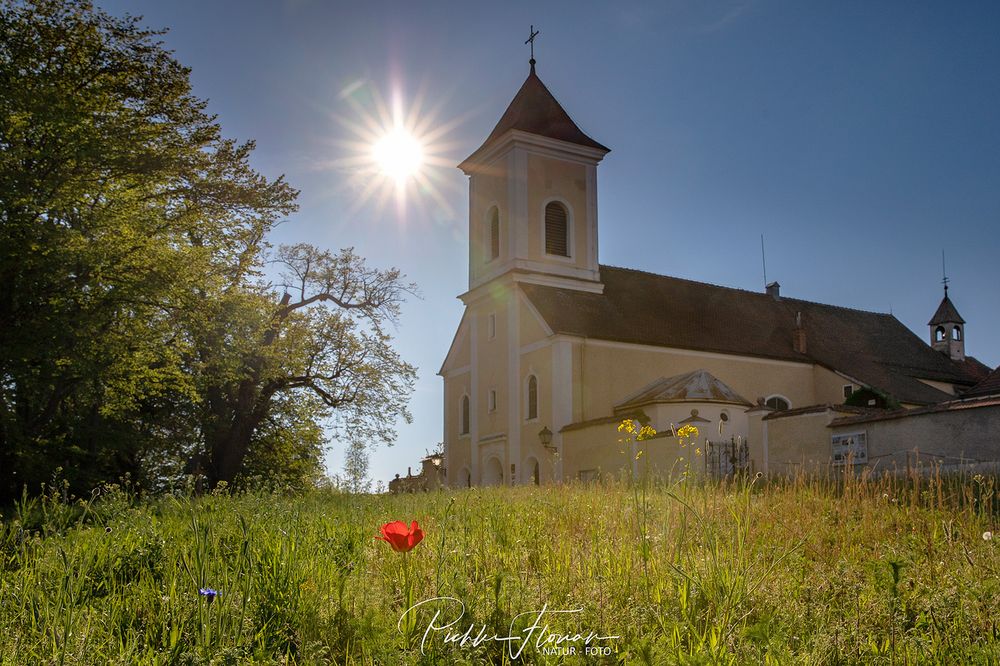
(237, 419)
(229, 448)
(238, 413)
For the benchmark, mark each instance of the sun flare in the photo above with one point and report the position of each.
(395, 152)
(398, 154)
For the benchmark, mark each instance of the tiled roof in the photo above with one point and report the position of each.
(535, 110)
(638, 415)
(818, 409)
(946, 313)
(989, 386)
(975, 369)
(649, 309)
(950, 406)
(695, 386)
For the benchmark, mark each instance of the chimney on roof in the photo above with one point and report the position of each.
(774, 290)
(799, 335)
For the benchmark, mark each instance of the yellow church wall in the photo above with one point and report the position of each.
(755, 438)
(457, 377)
(610, 372)
(459, 463)
(460, 353)
(531, 330)
(600, 451)
(589, 453)
(830, 386)
(603, 374)
(489, 189)
(458, 452)
(532, 450)
(669, 458)
(799, 443)
(567, 182)
(539, 363)
(491, 353)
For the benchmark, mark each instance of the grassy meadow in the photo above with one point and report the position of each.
(852, 570)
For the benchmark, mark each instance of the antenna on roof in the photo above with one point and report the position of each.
(532, 33)
(763, 261)
(944, 275)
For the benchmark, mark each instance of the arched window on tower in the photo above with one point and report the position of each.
(494, 234)
(556, 229)
(939, 334)
(463, 418)
(532, 397)
(956, 333)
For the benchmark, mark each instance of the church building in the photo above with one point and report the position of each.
(555, 349)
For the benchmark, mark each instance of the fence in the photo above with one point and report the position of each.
(726, 459)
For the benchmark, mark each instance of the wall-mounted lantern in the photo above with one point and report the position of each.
(545, 437)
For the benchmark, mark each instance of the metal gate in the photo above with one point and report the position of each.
(726, 459)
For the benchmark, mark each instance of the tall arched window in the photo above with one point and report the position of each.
(532, 397)
(556, 229)
(939, 334)
(956, 333)
(463, 419)
(494, 231)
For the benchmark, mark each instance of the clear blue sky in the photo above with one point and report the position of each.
(860, 138)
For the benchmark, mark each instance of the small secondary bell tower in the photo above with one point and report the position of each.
(947, 328)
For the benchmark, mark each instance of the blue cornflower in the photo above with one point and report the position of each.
(209, 593)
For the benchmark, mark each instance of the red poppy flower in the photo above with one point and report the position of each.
(401, 537)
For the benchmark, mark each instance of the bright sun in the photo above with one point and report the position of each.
(398, 154)
(394, 152)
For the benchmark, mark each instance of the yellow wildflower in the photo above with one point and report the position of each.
(687, 432)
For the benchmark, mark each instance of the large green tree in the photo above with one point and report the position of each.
(136, 331)
(323, 340)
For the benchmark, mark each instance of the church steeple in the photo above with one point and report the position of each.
(533, 195)
(535, 110)
(947, 329)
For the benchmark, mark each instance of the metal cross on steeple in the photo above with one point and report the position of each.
(531, 40)
(944, 275)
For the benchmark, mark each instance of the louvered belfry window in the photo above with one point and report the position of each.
(556, 230)
(494, 234)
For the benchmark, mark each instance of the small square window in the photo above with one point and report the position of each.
(848, 390)
(492, 404)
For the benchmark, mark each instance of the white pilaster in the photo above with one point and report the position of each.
(474, 396)
(444, 429)
(592, 217)
(472, 263)
(517, 176)
(562, 396)
(514, 384)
